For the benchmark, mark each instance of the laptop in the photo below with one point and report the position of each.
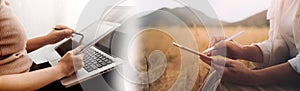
(97, 59)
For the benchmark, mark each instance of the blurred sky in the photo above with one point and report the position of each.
(226, 10)
(235, 10)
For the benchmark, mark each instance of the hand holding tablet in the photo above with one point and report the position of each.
(202, 56)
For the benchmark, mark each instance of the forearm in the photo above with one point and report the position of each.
(36, 43)
(281, 73)
(31, 80)
(252, 53)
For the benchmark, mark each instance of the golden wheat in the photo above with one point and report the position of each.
(251, 35)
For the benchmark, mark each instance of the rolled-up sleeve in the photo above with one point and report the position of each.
(273, 47)
(274, 51)
(295, 63)
(265, 48)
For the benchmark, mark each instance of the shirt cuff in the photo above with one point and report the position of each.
(265, 52)
(295, 63)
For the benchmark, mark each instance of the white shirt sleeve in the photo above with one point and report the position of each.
(275, 47)
(272, 48)
(295, 63)
(280, 47)
(265, 47)
(275, 43)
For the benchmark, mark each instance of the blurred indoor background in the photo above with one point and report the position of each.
(40, 16)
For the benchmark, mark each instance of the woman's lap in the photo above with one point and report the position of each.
(54, 86)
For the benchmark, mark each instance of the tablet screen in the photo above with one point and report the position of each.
(91, 34)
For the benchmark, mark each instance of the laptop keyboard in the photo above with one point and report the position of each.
(94, 60)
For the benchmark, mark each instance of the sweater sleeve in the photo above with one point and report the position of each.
(12, 34)
(13, 55)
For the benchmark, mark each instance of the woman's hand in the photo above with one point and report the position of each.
(233, 71)
(37, 79)
(71, 62)
(57, 35)
(229, 49)
(53, 37)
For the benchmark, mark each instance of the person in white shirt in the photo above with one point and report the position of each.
(277, 59)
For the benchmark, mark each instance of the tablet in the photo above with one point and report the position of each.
(89, 36)
(191, 51)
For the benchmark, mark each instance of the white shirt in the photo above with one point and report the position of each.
(284, 36)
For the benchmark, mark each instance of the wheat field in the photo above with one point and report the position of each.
(158, 40)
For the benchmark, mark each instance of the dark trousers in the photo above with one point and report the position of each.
(110, 81)
(54, 86)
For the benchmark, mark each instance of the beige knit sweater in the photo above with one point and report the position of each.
(13, 55)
